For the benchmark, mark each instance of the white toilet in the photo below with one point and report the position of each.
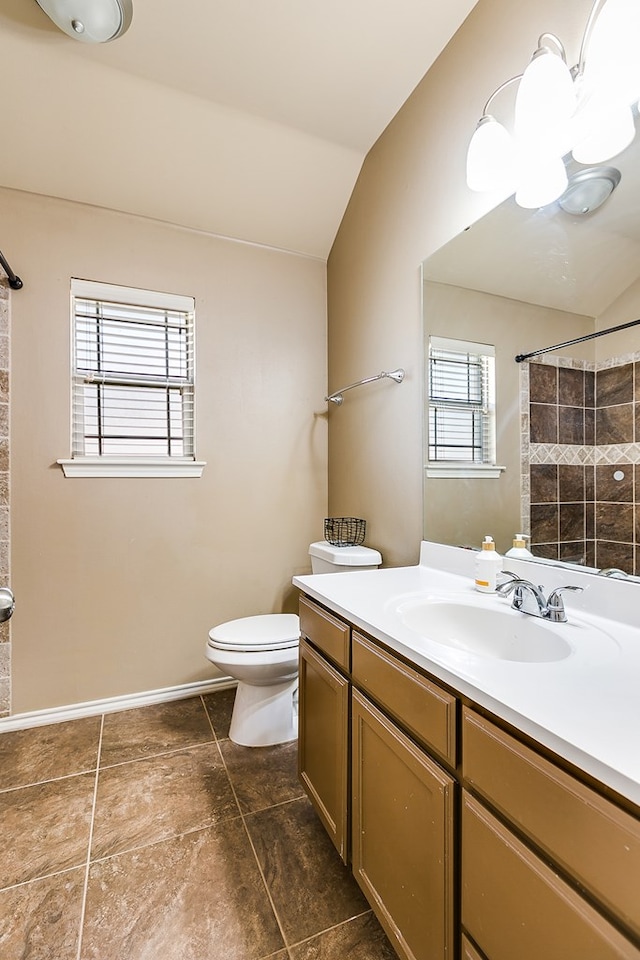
(261, 653)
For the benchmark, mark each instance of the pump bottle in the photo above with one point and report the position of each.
(488, 565)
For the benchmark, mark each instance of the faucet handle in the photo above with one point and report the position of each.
(555, 603)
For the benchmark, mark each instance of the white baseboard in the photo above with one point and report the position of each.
(37, 718)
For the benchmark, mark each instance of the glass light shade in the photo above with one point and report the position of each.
(603, 128)
(545, 103)
(611, 58)
(491, 158)
(90, 21)
(541, 181)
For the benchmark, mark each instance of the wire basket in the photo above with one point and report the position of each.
(345, 531)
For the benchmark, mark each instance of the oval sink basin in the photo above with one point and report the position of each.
(496, 632)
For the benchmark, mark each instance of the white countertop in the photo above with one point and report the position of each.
(585, 707)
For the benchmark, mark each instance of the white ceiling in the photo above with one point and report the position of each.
(243, 118)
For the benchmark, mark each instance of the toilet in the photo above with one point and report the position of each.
(261, 653)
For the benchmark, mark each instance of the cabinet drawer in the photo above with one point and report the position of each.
(421, 707)
(589, 837)
(513, 905)
(325, 631)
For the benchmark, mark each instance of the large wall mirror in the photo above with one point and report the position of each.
(567, 423)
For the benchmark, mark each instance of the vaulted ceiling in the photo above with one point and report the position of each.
(243, 118)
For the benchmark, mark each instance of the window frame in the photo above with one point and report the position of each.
(133, 465)
(487, 468)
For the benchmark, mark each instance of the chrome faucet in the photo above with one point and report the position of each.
(529, 599)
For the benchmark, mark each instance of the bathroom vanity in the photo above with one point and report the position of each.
(486, 800)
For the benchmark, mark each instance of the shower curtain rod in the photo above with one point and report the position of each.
(14, 282)
(569, 343)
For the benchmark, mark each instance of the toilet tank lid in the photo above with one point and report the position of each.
(345, 556)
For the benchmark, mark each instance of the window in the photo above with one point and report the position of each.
(132, 383)
(461, 409)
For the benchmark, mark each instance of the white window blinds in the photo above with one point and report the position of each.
(461, 401)
(133, 373)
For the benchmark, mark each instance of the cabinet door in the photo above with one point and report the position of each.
(402, 837)
(323, 754)
(515, 906)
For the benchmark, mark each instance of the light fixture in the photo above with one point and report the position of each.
(588, 189)
(585, 109)
(90, 21)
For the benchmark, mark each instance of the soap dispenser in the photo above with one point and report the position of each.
(488, 565)
(519, 549)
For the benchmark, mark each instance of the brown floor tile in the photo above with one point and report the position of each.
(311, 888)
(147, 731)
(148, 800)
(220, 707)
(41, 920)
(193, 897)
(262, 776)
(45, 828)
(359, 939)
(44, 753)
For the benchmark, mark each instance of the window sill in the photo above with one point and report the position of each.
(460, 471)
(122, 467)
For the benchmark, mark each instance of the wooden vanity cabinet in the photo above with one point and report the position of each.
(468, 843)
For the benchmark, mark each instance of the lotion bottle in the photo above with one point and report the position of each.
(519, 549)
(488, 565)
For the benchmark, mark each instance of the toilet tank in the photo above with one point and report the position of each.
(326, 558)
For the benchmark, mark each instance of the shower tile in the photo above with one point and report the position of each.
(589, 426)
(544, 423)
(571, 387)
(543, 383)
(41, 919)
(571, 483)
(149, 800)
(145, 731)
(589, 388)
(545, 551)
(608, 488)
(43, 753)
(614, 555)
(615, 424)
(544, 483)
(544, 523)
(220, 707)
(359, 939)
(573, 551)
(614, 521)
(296, 854)
(571, 425)
(262, 776)
(572, 522)
(195, 896)
(45, 828)
(614, 385)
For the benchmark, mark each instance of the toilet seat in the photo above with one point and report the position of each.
(272, 631)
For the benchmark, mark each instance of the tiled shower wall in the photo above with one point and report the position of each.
(581, 461)
(5, 628)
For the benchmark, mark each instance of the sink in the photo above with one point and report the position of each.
(495, 632)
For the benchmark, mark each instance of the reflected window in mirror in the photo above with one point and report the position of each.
(461, 400)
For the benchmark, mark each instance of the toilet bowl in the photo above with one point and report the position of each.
(261, 653)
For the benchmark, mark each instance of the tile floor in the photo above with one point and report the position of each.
(148, 834)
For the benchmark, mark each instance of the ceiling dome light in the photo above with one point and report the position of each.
(90, 21)
(589, 189)
(491, 157)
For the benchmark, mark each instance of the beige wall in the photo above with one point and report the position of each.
(623, 310)
(411, 198)
(462, 512)
(118, 581)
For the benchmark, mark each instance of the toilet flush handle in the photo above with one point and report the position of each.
(7, 603)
